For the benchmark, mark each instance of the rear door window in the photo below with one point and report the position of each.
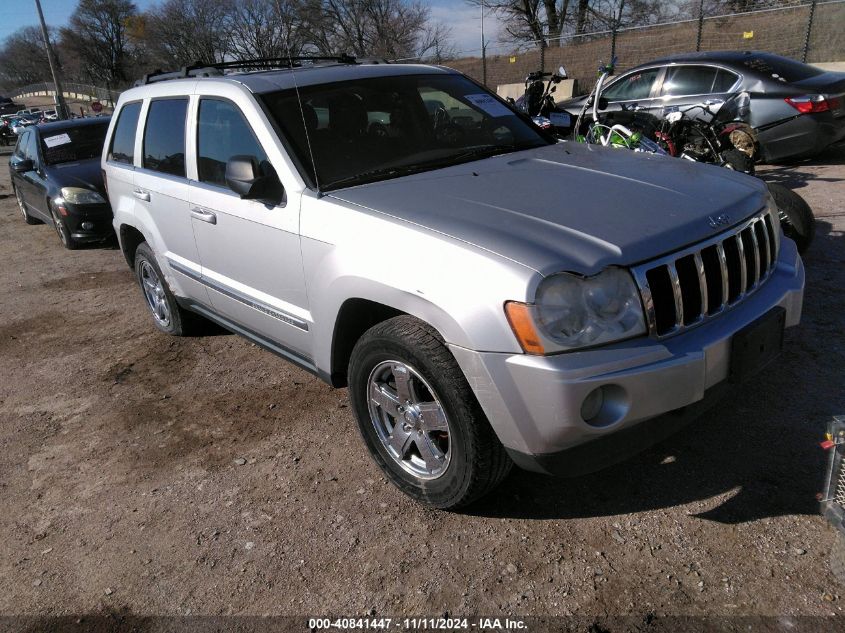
(689, 80)
(636, 85)
(164, 136)
(123, 140)
(223, 132)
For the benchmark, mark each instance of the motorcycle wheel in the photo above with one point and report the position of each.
(738, 161)
(796, 216)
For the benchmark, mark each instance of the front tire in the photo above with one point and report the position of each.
(796, 216)
(419, 417)
(167, 315)
(64, 234)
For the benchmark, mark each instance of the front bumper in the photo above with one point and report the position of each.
(534, 402)
(88, 222)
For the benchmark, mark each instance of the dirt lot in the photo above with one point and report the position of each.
(120, 490)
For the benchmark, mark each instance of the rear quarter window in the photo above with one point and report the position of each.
(122, 148)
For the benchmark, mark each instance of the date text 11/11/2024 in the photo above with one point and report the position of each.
(417, 624)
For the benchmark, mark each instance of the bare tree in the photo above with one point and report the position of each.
(97, 38)
(180, 32)
(269, 28)
(382, 28)
(23, 58)
(534, 21)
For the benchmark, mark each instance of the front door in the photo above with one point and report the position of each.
(250, 251)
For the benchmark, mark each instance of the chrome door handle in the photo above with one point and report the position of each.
(204, 214)
(141, 195)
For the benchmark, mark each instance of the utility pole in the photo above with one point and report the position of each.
(61, 107)
(483, 49)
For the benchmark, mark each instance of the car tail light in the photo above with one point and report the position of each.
(809, 104)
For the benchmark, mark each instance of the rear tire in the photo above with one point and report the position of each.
(420, 419)
(167, 315)
(796, 216)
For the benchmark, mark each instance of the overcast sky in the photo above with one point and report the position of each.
(463, 19)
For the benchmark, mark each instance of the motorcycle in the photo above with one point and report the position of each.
(718, 132)
(538, 103)
(616, 135)
(721, 136)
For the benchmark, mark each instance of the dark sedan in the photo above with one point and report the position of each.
(797, 109)
(56, 177)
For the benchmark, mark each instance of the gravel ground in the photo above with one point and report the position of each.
(152, 475)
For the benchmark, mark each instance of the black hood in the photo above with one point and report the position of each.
(83, 173)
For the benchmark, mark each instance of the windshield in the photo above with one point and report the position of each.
(73, 143)
(378, 128)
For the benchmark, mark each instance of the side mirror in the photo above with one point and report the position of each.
(23, 166)
(561, 72)
(552, 89)
(603, 103)
(254, 181)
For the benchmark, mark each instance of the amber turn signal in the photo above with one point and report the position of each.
(519, 316)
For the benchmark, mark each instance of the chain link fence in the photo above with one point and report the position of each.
(809, 31)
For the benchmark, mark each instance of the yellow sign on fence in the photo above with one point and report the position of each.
(512, 59)
(747, 35)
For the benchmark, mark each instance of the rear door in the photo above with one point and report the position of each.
(250, 251)
(162, 194)
(689, 84)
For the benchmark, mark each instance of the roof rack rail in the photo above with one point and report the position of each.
(199, 69)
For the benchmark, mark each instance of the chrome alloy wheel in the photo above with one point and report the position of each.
(409, 420)
(154, 293)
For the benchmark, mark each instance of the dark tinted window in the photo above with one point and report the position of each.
(223, 133)
(724, 80)
(636, 85)
(164, 136)
(31, 148)
(75, 143)
(123, 140)
(689, 80)
(20, 147)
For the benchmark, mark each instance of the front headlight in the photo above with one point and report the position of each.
(572, 312)
(77, 195)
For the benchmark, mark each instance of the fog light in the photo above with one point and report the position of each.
(591, 406)
(87, 226)
(605, 405)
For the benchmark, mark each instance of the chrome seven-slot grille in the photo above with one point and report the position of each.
(690, 286)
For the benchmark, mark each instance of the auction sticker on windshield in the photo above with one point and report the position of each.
(58, 139)
(489, 105)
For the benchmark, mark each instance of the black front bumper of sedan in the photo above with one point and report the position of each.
(88, 222)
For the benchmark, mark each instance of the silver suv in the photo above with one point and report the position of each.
(489, 296)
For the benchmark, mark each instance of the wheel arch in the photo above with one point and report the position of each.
(355, 316)
(130, 238)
